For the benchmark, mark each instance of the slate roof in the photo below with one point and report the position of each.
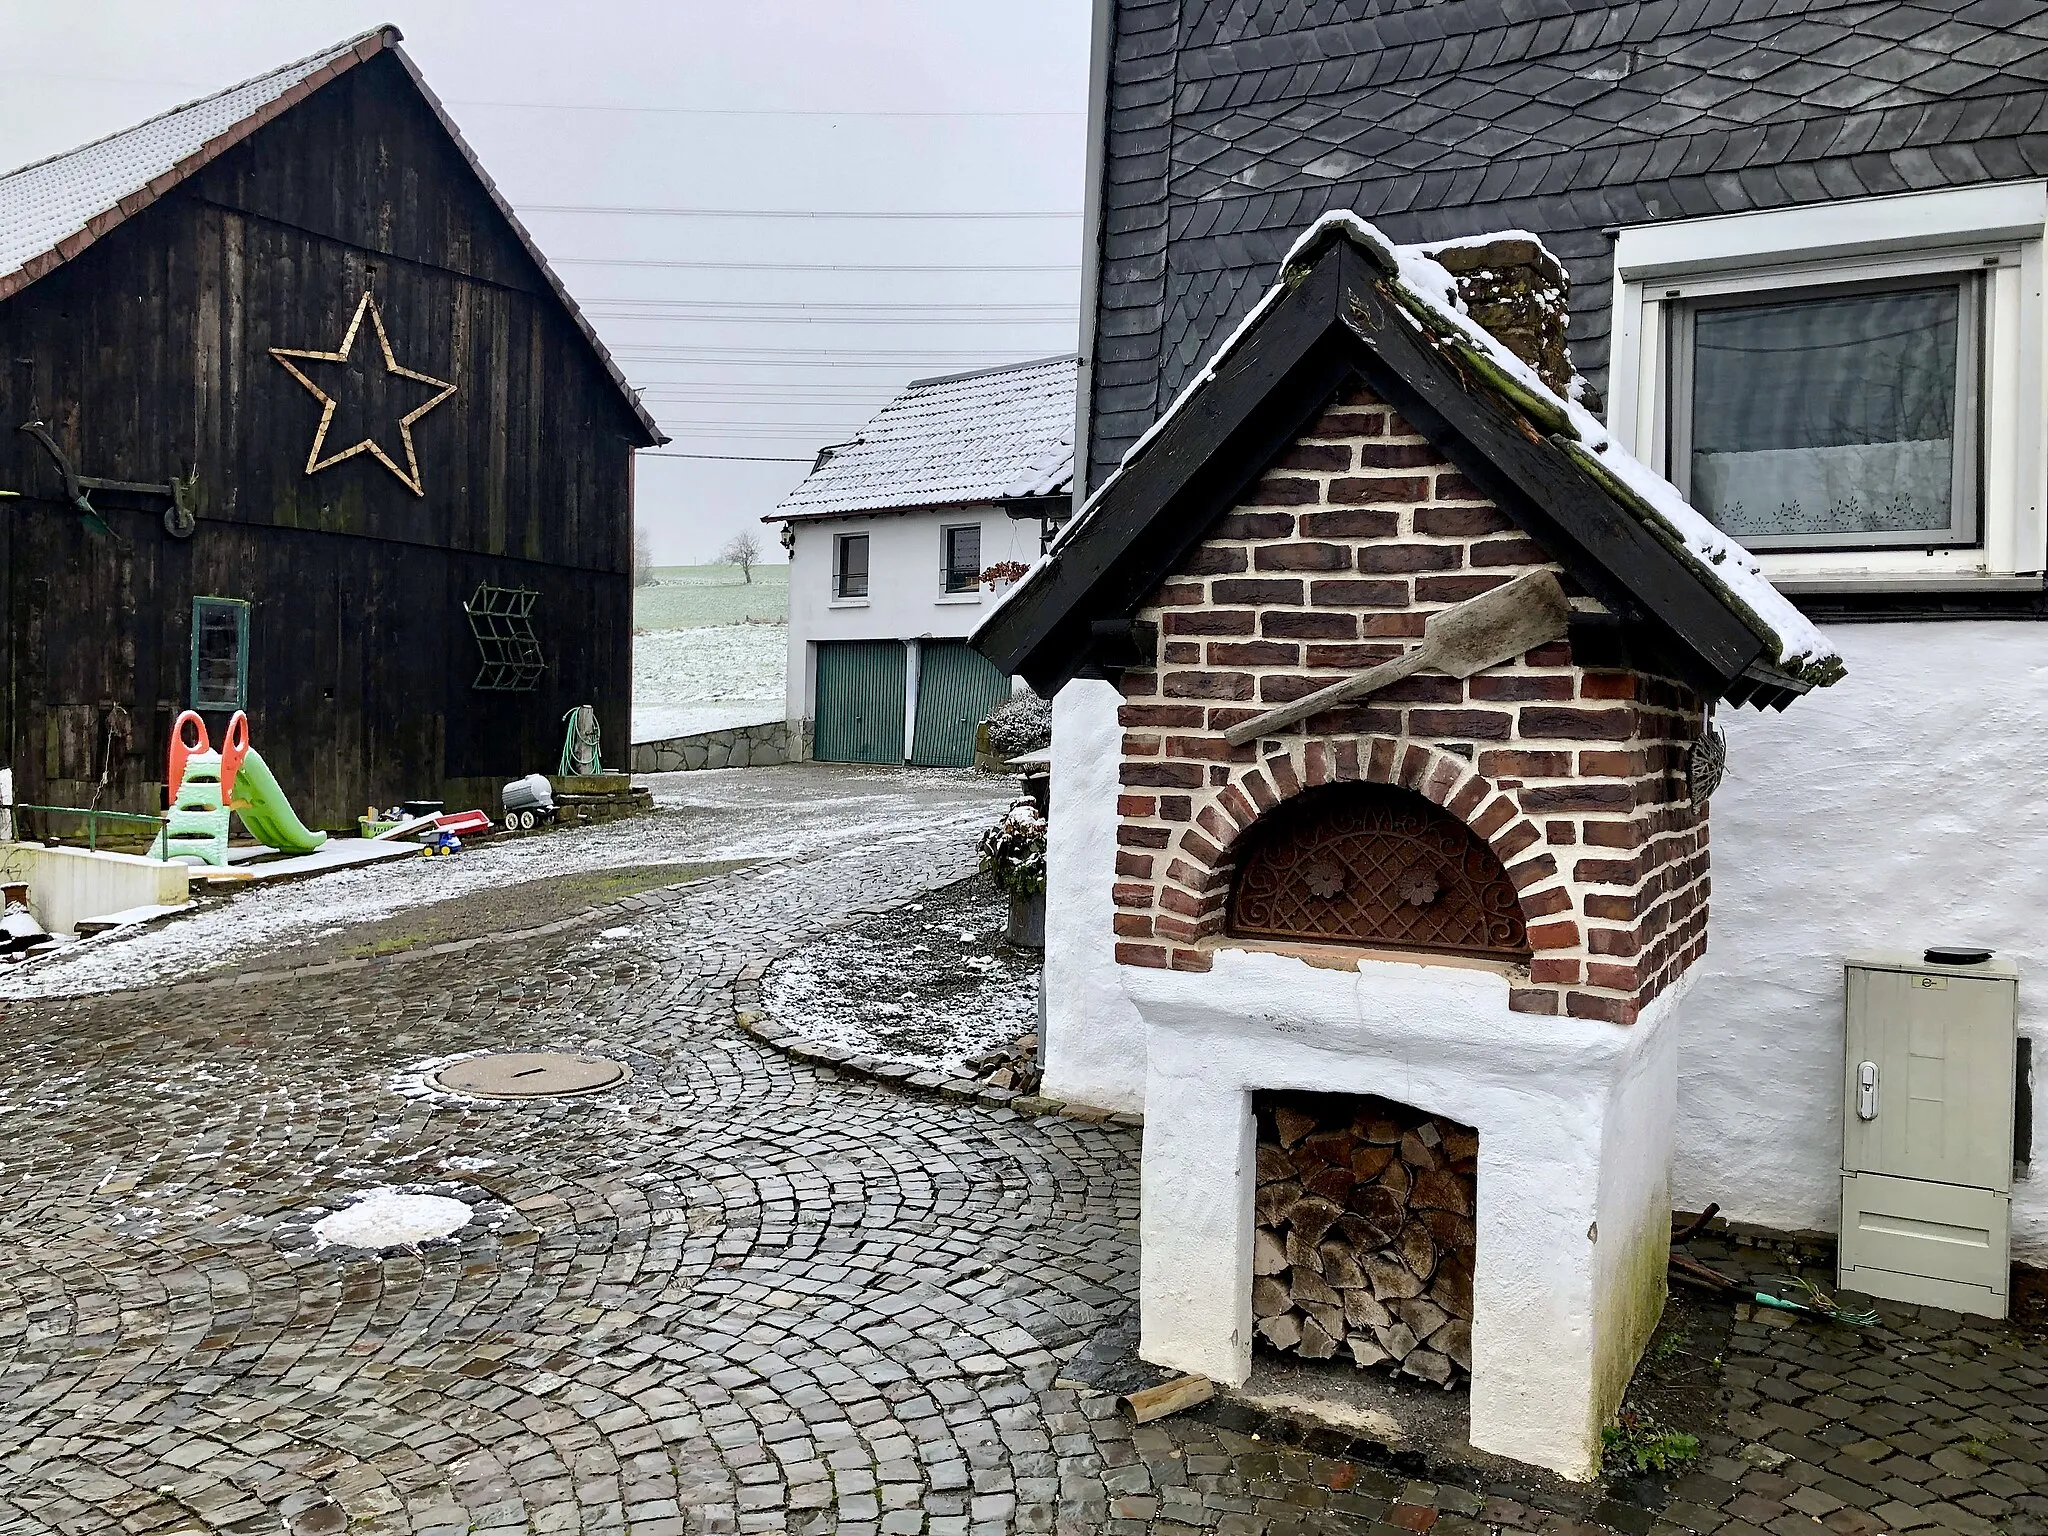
(53, 209)
(1233, 124)
(993, 435)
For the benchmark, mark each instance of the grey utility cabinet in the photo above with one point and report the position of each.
(1927, 1131)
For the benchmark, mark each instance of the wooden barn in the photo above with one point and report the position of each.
(295, 418)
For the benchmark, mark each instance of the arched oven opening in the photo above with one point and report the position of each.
(1378, 866)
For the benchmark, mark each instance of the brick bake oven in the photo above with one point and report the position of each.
(1379, 857)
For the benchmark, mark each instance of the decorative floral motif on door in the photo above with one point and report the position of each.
(1377, 865)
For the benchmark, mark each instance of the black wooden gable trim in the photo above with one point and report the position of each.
(1340, 322)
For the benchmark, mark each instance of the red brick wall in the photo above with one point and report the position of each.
(1574, 777)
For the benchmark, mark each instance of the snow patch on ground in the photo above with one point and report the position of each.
(928, 985)
(391, 1218)
(691, 680)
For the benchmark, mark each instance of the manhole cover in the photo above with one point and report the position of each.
(529, 1075)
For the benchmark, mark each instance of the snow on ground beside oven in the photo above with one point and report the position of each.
(929, 984)
(813, 811)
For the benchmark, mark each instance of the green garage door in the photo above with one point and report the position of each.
(956, 688)
(860, 702)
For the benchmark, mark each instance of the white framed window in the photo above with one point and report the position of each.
(962, 562)
(850, 566)
(1853, 390)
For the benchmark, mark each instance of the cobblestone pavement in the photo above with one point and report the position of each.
(740, 1293)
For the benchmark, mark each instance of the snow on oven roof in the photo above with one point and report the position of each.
(53, 209)
(992, 435)
(1430, 298)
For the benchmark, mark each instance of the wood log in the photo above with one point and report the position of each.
(1450, 1230)
(1417, 1154)
(1282, 1332)
(1391, 1279)
(1397, 1339)
(1461, 1144)
(1427, 1364)
(1269, 1254)
(1395, 1176)
(1305, 1286)
(1168, 1397)
(1442, 1190)
(1340, 1266)
(1455, 1340)
(1292, 1124)
(1327, 1321)
(1301, 1254)
(1311, 1216)
(1270, 1297)
(1382, 1129)
(1452, 1289)
(1362, 1313)
(1274, 1164)
(1272, 1201)
(1316, 1343)
(1418, 1250)
(1369, 1161)
(1366, 1351)
(1381, 1214)
(1422, 1315)
(1331, 1183)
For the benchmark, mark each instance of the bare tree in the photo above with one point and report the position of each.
(643, 558)
(744, 551)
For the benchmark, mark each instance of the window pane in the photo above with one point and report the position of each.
(1828, 416)
(853, 565)
(217, 657)
(963, 559)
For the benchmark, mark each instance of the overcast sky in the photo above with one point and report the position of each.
(812, 106)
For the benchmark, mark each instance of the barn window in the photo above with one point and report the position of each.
(501, 618)
(220, 653)
(850, 566)
(1376, 865)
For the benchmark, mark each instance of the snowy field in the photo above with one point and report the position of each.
(709, 649)
(689, 680)
(810, 811)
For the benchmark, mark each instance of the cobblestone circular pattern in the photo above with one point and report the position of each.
(744, 1292)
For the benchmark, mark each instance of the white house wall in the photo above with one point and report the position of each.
(907, 597)
(1902, 807)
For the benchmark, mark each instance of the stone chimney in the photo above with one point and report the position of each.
(1517, 290)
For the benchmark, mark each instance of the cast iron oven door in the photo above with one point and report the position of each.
(1375, 865)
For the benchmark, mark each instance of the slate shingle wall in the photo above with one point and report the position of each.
(1234, 123)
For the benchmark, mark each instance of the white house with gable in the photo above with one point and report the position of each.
(898, 542)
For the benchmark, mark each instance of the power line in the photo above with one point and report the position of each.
(799, 213)
(737, 458)
(581, 106)
(795, 266)
(773, 356)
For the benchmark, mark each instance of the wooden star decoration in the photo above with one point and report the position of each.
(409, 476)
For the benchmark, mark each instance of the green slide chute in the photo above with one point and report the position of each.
(265, 811)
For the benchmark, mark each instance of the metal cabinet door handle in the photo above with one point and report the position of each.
(1866, 1090)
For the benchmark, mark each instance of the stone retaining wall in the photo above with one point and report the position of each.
(742, 746)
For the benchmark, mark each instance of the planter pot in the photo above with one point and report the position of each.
(1027, 922)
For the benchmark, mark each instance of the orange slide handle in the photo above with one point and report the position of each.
(182, 749)
(234, 746)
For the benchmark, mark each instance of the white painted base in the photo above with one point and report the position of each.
(1094, 1041)
(1574, 1125)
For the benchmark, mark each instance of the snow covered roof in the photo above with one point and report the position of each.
(997, 434)
(53, 209)
(1568, 464)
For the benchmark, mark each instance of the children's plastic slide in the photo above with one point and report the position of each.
(210, 784)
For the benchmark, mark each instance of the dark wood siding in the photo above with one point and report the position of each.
(149, 355)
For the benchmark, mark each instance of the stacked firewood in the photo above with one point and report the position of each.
(1364, 1240)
